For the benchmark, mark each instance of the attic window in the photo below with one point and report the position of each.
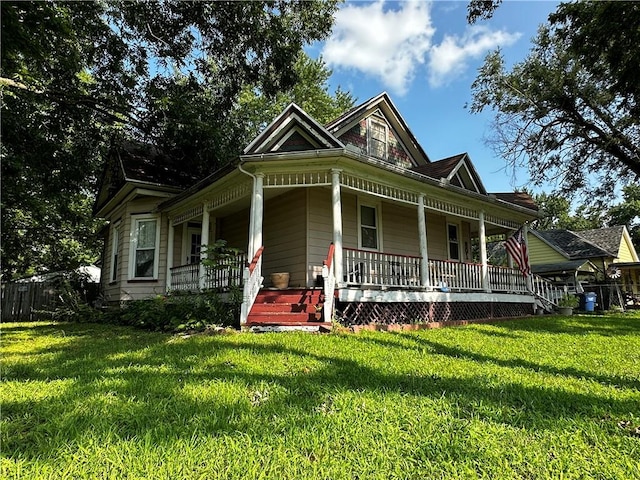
(377, 139)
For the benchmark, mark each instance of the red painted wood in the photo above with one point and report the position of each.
(289, 307)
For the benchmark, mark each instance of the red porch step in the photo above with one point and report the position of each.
(288, 307)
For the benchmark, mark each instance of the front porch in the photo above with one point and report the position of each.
(377, 287)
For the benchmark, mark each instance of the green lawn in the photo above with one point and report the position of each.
(546, 397)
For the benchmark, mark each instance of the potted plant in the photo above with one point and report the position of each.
(567, 303)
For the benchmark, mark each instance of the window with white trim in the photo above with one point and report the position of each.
(377, 139)
(145, 239)
(368, 227)
(115, 251)
(454, 241)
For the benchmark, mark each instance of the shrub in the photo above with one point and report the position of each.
(180, 312)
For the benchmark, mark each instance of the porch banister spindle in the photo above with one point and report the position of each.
(204, 240)
(170, 240)
(337, 223)
(422, 234)
(483, 252)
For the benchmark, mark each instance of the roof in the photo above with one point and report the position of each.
(607, 238)
(441, 168)
(517, 198)
(145, 163)
(570, 244)
(564, 267)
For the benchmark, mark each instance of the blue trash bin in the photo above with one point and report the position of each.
(590, 301)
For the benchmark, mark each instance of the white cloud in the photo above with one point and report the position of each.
(392, 44)
(388, 44)
(449, 59)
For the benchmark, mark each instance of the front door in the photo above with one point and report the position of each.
(193, 245)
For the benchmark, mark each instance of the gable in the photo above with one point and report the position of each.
(292, 130)
(374, 136)
(355, 130)
(456, 170)
(540, 253)
(615, 240)
(112, 180)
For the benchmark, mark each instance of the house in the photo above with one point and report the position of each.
(579, 259)
(365, 225)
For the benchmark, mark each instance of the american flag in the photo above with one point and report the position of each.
(517, 248)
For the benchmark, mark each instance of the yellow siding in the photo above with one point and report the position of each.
(284, 237)
(625, 251)
(540, 253)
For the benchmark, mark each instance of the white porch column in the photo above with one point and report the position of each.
(204, 240)
(337, 224)
(422, 235)
(483, 252)
(258, 213)
(170, 243)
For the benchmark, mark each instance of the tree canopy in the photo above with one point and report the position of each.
(76, 76)
(569, 111)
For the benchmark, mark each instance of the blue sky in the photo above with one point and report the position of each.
(426, 56)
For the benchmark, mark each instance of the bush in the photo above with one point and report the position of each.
(180, 312)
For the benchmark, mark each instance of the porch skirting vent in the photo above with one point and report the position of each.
(365, 313)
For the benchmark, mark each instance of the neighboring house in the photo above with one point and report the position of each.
(579, 258)
(366, 226)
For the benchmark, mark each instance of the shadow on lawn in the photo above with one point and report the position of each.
(460, 353)
(133, 384)
(609, 326)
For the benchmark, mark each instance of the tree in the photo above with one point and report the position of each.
(569, 111)
(627, 212)
(556, 212)
(76, 75)
(481, 9)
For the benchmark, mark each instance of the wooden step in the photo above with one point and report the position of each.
(288, 307)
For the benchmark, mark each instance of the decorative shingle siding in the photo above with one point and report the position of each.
(357, 137)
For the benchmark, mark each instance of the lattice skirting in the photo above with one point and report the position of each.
(365, 313)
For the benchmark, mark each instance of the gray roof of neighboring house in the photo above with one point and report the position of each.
(606, 238)
(571, 244)
(564, 267)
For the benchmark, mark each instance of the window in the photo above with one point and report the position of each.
(377, 139)
(368, 227)
(144, 248)
(115, 251)
(454, 244)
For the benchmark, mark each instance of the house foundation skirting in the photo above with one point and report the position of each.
(367, 313)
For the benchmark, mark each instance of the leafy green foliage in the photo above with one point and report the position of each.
(544, 397)
(481, 9)
(76, 76)
(181, 312)
(567, 113)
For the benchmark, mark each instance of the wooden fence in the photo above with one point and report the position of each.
(26, 301)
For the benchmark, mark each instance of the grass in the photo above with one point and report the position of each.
(546, 397)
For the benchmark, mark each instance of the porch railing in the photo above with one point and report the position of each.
(446, 275)
(225, 274)
(185, 278)
(362, 267)
(378, 269)
(252, 284)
